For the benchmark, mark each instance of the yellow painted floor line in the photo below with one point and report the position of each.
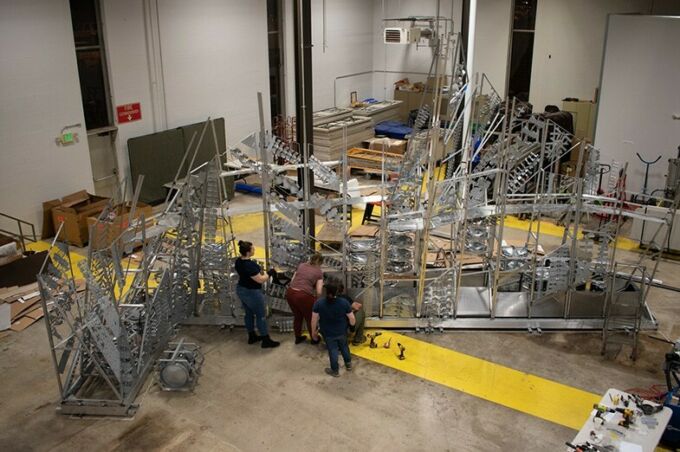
(44, 245)
(241, 224)
(549, 228)
(530, 394)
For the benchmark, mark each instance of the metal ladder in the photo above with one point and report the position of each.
(623, 310)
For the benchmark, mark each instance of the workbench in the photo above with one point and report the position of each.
(638, 438)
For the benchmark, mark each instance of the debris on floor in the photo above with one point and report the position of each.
(20, 306)
(24, 307)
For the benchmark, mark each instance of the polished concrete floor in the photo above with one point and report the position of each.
(252, 399)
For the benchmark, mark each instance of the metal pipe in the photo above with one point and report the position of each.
(265, 182)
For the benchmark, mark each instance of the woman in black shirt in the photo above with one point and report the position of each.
(249, 291)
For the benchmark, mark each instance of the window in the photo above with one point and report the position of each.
(521, 56)
(91, 63)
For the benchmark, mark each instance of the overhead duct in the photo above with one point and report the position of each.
(399, 35)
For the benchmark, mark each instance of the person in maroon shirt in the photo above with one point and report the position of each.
(304, 288)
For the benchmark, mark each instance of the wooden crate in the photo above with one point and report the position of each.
(372, 160)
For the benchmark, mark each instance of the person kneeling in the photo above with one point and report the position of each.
(331, 314)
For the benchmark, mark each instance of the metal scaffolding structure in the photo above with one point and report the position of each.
(106, 339)
(441, 258)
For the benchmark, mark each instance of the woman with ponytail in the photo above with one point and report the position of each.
(331, 314)
(305, 287)
(249, 291)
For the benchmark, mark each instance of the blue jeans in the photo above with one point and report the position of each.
(252, 301)
(334, 345)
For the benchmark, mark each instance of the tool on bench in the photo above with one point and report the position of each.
(615, 399)
(646, 406)
(600, 410)
(590, 447)
(372, 338)
(388, 343)
(628, 416)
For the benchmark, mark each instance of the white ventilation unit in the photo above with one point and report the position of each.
(395, 35)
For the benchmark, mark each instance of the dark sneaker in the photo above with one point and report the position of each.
(300, 339)
(348, 366)
(359, 340)
(254, 338)
(331, 372)
(315, 342)
(267, 342)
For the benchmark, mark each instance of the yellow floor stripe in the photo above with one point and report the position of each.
(553, 230)
(241, 224)
(536, 396)
(44, 245)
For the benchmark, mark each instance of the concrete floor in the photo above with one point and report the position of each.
(252, 399)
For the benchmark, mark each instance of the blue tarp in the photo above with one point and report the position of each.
(393, 129)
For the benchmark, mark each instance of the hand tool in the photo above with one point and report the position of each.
(372, 338)
(402, 349)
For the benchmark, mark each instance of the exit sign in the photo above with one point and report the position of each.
(129, 112)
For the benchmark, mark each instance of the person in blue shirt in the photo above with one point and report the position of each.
(359, 315)
(330, 315)
(249, 291)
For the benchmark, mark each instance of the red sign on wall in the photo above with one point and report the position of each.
(129, 112)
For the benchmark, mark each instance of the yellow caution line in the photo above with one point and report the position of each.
(241, 224)
(43, 245)
(551, 229)
(536, 396)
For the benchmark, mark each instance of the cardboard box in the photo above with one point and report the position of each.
(410, 100)
(118, 221)
(386, 144)
(73, 212)
(431, 82)
(47, 223)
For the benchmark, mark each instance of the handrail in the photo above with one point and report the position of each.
(20, 235)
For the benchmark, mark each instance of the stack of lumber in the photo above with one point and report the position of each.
(331, 138)
(330, 115)
(386, 110)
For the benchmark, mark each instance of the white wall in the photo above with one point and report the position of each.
(492, 40)
(125, 37)
(39, 95)
(405, 60)
(349, 39)
(568, 47)
(640, 95)
(211, 61)
(215, 60)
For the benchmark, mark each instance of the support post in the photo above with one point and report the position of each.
(302, 24)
